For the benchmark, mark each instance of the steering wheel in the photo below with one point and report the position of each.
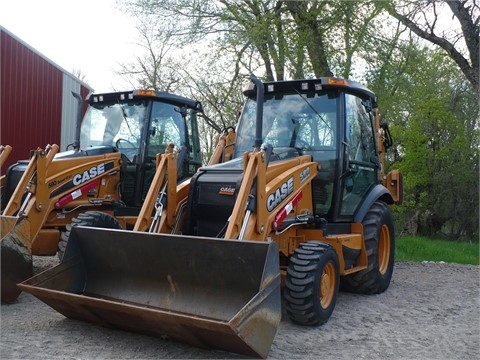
(302, 144)
(129, 143)
(129, 151)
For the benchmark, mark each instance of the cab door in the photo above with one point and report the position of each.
(360, 163)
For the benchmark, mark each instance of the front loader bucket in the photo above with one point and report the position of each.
(207, 292)
(16, 258)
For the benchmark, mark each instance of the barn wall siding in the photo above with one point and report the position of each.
(36, 104)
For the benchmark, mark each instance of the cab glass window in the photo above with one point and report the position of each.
(167, 127)
(362, 164)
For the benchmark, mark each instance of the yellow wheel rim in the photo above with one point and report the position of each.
(327, 285)
(384, 249)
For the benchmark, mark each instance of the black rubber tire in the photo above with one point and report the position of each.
(312, 283)
(380, 246)
(89, 218)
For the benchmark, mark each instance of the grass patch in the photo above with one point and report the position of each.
(416, 248)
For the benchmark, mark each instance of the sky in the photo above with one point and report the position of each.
(91, 36)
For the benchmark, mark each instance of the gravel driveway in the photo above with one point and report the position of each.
(430, 311)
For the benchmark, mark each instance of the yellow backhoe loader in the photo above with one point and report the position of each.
(303, 205)
(109, 169)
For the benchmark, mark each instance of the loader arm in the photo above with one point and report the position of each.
(16, 256)
(165, 176)
(51, 188)
(224, 148)
(296, 179)
(47, 191)
(279, 188)
(253, 162)
(5, 151)
(40, 159)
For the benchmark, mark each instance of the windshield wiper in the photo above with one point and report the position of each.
(124, 114)
(315, 110)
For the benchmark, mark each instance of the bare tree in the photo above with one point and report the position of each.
(156, 67)
(286, 38)
(423, 18)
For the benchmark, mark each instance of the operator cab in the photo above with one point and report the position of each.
(140, 125)
(330, 119)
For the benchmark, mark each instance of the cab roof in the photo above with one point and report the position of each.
(312, 85)
(133, 95)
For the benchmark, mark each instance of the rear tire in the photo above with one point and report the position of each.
(380, 246)
(312, 283)
(96, 219)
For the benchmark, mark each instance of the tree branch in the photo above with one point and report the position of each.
(470, 31)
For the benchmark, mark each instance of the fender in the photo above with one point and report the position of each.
(378, 192)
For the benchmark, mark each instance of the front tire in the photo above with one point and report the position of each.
(312, 283)
(96, 219)
(379, 237)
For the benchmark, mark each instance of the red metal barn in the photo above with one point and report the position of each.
(36, 102)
